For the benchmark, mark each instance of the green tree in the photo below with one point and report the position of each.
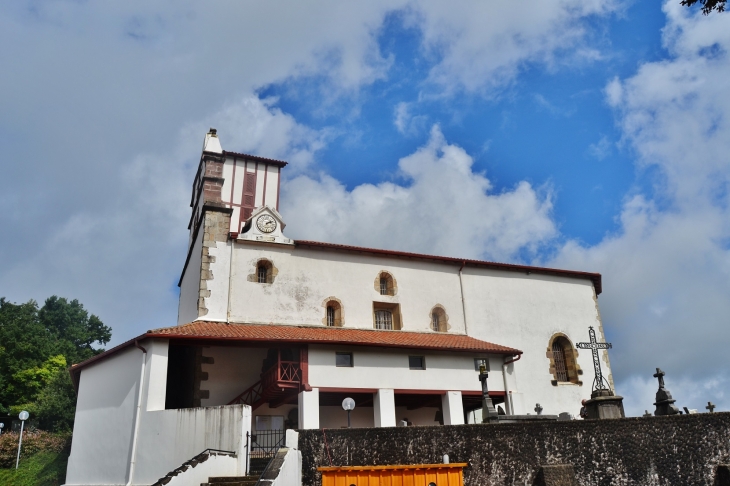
(73, 329)
(56, 403)
(36, 347)
(707, 5)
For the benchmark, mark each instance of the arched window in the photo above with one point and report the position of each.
(561, 371)
(385, 284)
(333, 315)
(563, 360)
(383, 319)
(439, 319)
(264, 272)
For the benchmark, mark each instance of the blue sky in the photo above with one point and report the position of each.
(579, 134)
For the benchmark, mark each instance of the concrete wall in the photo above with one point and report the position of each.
(105, 411)
(388, 368)
(216, 465)
(679, 450)
(102, 445)
(170, 437)
(190, 284)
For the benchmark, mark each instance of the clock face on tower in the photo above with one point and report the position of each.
(266, 224)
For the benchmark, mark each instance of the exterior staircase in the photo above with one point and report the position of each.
(232, 481)
(277, 384)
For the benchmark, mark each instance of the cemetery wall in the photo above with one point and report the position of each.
(677, 450)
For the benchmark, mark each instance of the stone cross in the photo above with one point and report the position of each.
(599, 382)
(660, 376)
(538, 409)
(710, 406)
(489, 413)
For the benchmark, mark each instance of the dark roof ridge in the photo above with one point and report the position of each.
(594, 277)
(279, 163)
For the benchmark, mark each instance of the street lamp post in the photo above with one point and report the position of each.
(23, 417)
(348, 404)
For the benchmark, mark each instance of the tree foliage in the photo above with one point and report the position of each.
(36, 346)
(707, 5)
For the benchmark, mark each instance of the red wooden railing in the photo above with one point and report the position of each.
(274, 383)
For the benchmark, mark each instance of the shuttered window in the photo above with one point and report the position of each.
(249, 195)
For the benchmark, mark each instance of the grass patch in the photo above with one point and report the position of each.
(41, 469)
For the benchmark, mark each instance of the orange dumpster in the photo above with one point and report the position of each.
(411, 475)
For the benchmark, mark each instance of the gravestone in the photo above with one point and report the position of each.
(664, 401)
(555, 475)
(722, 475)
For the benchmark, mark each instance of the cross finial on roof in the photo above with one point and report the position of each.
(710, 406)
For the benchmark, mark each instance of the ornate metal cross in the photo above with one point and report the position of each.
(599, 382)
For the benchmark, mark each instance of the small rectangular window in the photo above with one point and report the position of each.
(343, 360)
(481, 361)
(417, 362)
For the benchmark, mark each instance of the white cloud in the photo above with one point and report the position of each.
(667, 271)
(601, 149)
(123, 256)
(442, 207)
(406, 122)
(481, 46)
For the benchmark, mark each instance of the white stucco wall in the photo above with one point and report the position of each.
(525, 311)
(105, 408)
(190, 284)
(233, 370)
(388, 368)
(510, 308)
(102, 444)
(306, 278)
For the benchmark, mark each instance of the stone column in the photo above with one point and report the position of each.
(453, 408)
(309, 409)
(384, 408)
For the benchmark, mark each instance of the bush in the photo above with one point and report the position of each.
(33, 443)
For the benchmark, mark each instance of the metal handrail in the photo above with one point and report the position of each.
(197, 459)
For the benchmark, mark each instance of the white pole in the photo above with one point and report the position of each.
(20, 443)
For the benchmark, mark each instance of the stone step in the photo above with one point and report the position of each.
(233, 479)
(231, 483)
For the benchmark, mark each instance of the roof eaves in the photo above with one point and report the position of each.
(594, 277)
(278, 163)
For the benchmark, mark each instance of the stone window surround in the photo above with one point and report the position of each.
(571, 362)
(339, 311)
(443, 323)
(271, 271)
(392, 284)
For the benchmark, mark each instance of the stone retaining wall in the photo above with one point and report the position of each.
(679, 451)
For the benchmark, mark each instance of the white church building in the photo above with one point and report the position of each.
(274, 333)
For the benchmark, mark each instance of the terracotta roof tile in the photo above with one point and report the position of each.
(329, 335)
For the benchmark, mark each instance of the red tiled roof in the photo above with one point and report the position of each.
(279, 163)
(594, 277)
(221, 331)
(329, 335)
